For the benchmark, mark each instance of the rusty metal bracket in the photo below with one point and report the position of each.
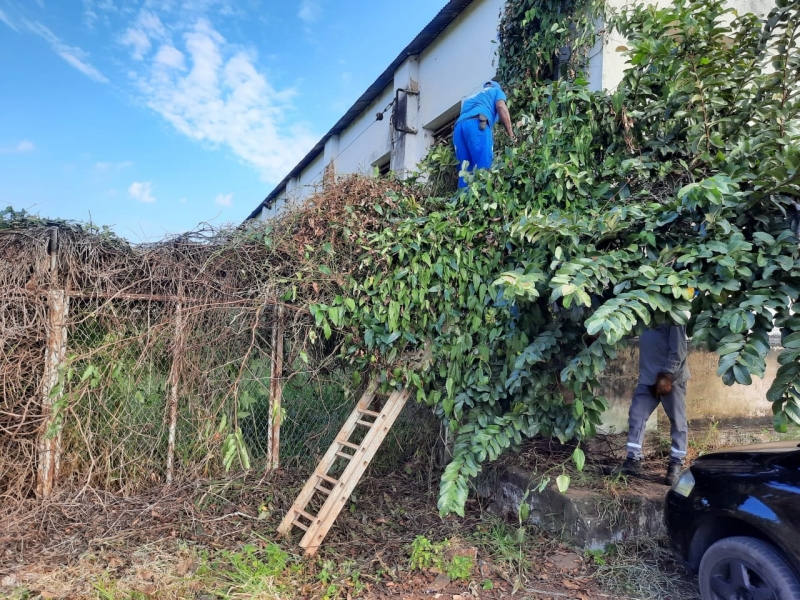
(400, 110)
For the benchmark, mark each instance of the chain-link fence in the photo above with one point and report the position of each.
(125, 368)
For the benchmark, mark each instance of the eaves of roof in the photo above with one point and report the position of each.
(438, 24)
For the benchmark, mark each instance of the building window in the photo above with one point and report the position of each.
(444, 134)
(381, 166)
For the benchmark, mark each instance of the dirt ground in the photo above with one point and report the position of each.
(216, 539)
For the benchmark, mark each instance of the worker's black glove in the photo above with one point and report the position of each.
(662, 386)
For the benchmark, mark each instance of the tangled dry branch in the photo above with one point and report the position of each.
(188, 318)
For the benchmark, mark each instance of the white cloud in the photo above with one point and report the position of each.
(214, 93)
(7, 20)
(93, 9)
(113, 166)
(183, 200)
(73, 55)
(21, 148)
(138, 41)
(142, 191)
(310, 11)
(139, 36)
(171, 57)
(224, 199)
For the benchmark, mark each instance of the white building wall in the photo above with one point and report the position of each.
(298, 188)
(310, 180)
(366, 139)
(454, 66)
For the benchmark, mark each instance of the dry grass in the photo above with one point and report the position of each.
(216, 539)
(644, 569)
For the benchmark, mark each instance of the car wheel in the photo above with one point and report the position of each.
(745, 568)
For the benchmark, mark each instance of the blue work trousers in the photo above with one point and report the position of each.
(473, 146)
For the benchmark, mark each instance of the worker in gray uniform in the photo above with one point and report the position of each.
(663, 373)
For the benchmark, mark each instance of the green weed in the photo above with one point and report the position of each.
(252, 572)
(426, 554)
(460, 567)
(598, 556)
(499, 541)
(107, 590)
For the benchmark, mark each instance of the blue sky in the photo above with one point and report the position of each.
(154, 116)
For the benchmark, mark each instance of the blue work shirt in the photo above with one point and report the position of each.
(663, 350)
(483, 103)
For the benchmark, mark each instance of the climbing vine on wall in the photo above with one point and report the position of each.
(672, 196)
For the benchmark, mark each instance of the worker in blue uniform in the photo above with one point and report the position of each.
(472, 135)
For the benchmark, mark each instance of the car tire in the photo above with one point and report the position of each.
(744, 563)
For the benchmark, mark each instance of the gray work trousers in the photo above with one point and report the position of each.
(642, 406)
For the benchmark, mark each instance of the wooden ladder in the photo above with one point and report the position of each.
(354, 456)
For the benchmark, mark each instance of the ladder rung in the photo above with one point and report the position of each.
(297, 523)
(323, 489)
(370, 413)
(328, 479)
(365, 423)
(348, 444)
(343, 455)
(303, 513)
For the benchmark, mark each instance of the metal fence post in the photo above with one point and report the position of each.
(275, 392)
(49, 446)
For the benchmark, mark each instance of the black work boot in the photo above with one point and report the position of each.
(631, 467)
(673, 470)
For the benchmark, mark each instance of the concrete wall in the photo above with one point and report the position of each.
(707, 398)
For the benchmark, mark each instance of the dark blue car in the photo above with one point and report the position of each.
(734, 518)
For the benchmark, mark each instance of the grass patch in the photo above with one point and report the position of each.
(252, 572)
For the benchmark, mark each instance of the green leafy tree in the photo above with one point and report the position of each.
(670, 199)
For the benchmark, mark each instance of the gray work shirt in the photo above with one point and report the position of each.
(663, 350)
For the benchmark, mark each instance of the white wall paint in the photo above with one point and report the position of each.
(366, 139)
(452, 67)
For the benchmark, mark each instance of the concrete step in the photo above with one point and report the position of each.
(587, 518)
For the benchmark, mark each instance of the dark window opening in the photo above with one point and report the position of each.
(444, 134)
(382, 165)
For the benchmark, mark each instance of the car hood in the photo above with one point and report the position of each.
(754, 453)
